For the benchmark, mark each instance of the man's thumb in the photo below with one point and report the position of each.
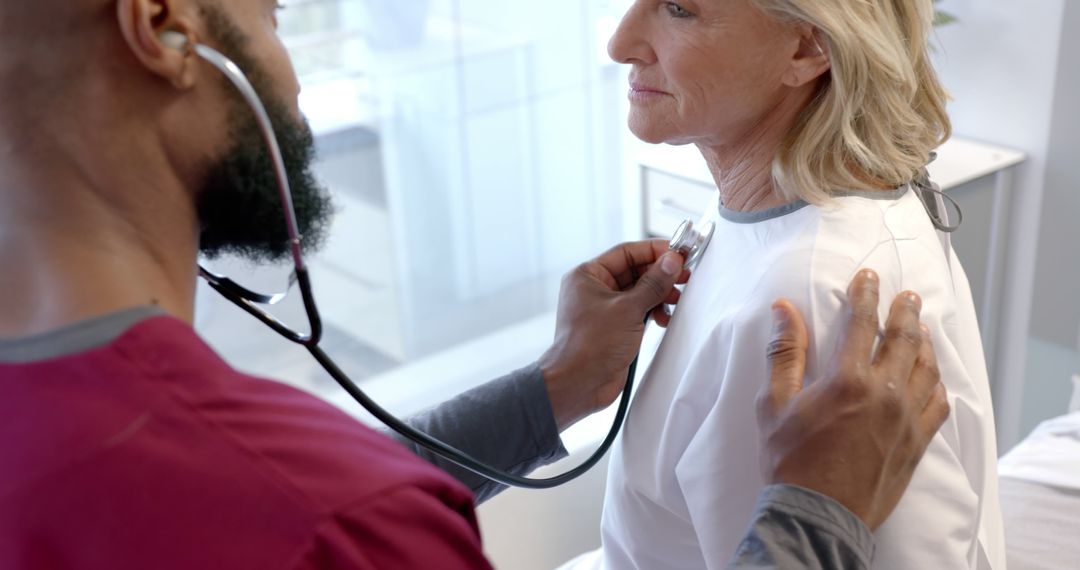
(655, 285)
(786, 353)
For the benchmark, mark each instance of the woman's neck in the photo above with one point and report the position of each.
(744, 178)
(742, 168)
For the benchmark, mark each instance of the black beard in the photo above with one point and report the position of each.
(239, 206)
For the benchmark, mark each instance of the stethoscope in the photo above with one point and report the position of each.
(688, 241)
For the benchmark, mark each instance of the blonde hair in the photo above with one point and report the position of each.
(880, 110)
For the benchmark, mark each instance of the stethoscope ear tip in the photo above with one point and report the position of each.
(174, 40)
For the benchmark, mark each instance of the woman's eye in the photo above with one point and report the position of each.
(677, 11)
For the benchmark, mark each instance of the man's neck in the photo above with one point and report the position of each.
(73, 246)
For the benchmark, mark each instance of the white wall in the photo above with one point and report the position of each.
(1056, 313)
(1001, 64)
(1055, 321)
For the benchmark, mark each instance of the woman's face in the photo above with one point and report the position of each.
(704, 71)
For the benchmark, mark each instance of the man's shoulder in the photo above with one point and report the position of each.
(315, 446)
(307, 446)
(153, 436)
(377, 503)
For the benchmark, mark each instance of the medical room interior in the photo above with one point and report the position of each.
(477, 151)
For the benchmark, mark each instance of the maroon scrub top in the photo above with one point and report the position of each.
(150, 452)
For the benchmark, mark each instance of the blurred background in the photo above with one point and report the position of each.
(477, 151)
(475, 154)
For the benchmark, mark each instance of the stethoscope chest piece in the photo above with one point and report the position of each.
(691, 242)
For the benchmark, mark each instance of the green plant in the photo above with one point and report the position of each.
(942, 18)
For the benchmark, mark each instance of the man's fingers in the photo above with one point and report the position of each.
(624, 262)
(925, 377)
(661, 317)
(643, 269)
(857, 339)
(655, 286)
(660, 314)
(934, 414)
(786, 355)
(903, 338)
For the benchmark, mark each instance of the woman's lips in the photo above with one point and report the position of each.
(643, 93)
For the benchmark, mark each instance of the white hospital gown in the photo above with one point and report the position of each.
(685, 475)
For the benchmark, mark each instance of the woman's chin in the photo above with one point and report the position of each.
(646, 133)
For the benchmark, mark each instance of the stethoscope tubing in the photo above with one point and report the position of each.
(249, 302)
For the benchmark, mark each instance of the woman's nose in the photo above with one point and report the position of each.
(630, 43)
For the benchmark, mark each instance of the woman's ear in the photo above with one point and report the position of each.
(143, 24)
(812, 58)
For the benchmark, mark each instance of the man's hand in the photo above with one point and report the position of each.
(857, 435)
(602, 308)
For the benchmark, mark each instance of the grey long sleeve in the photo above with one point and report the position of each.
(795, 528)
(507, 423)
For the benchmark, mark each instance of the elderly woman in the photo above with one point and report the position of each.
(815, 118)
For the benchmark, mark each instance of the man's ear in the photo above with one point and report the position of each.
(143, 21)
(812, 58)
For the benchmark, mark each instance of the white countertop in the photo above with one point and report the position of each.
(960, 161)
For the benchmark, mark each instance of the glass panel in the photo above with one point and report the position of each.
(475, 152)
